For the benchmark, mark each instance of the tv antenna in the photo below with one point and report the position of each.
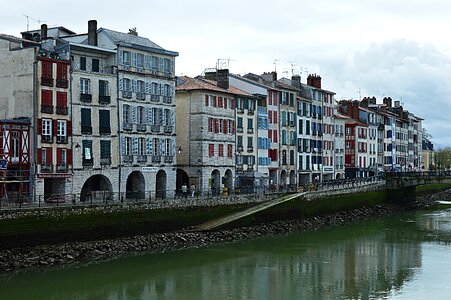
(39, 21)
(275, 64)
(223, 63)
(292, 64)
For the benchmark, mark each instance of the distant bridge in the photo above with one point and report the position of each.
(401, 180)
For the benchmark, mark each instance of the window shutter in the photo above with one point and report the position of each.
(161, 89)
(135, 146)
(69, 128)
(134, 118)
(172, 118)
(149, 115)
(206, 100)
(69, 156)
(214, 101)
(233, 104)
(172, 66)
(161, 65)
(49, 157)
(147, 61)
(39, 126)
(226, 127)
(122, 145)
(121, 84)
(148, 87)
(216, 125)
(233, 126)
(162, 152)
(55, 127)
(134, 85)
(119, 60)
(39, 156)
(163, 118)
(160, 116)
(58, 156)
(149, 146)
(133, 59)
(225, 103)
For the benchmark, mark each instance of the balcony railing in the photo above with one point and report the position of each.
(61, 168)
(155, 98)
(155, 128)
(240, 110)
(46, 168)
(168, 159)
(127, 126)
(86, 129)
(168, 129)
(141, 158)
(140, 96)
(239, 129)
(127, 94)
(88, 162)
(105, 161)
(156, 158)
(105, 130)
(127, 158)
(167, 99)
(87, 98)
(48, 109)
(239, 148)
(61, 139)
(46, 81)
(47, 139)
(141, 127)
(250, 130)
(61, 110)
(62, 83)
(250, 112)
(250, 149)
(104, 99)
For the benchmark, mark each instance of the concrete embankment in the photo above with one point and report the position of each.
(288, 217)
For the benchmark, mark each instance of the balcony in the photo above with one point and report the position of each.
(291, 123)
(127, 126)
(239, 110)
(127, 158)
(169, 159)
(88, 162)
(48, 109)
(104, 99)
(127, 94)
(250, 149)
(105, 161)
(250, 112)
(86, 129)
(141, 127)
(168, 129)
(62, 83)
(46, 168)
(105, 130)
(239, 130)
(47, 139)
(167, 100)
(46, 81)
(155, 128)
(87, 98)
(61, 110)
(320, 117)
(250, 130)
(239, 168)
(239, 148)
(314, 133)
(140, 96)
(320, 133)
(61, 168)
(155, 98)
(156, 158)
(60, 139)
(141, 158)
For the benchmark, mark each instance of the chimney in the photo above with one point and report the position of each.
(92, 32)
(387, 101)
(314, 80)
(27, 36)
(397, 103)
(43, 31)
(296, 81)
(222, 78)
(364, 102)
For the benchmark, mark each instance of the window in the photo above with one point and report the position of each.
(15, 146)
(104, 90)
(85, 86)
(140, 115)
(95, 65)
(47, 127)
(127, 85)
(126, 113)
(167, 65)
(47, 70)
(104, 122)
(250, 142)
(221, 126)
(83, 63)
(240, 122)
(128, 146)
(155, 63)
(284, 157)
(126, 58)
(167, 146)
(155, 116)
(61, 132)
(284, 137)
(86, 126)
(250, 124)
(155, 89)
(141, 146)
(156, 146)
(291, 157)
(211, 150)
(139, 60)
(105, 149)
(61, 71)
(61, 99)
(221, 150)
(301, 126)
(240, 141)
(230, 126)
(141, 86)
(87, 152)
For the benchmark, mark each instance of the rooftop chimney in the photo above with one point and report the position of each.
(92, 32)
(314, 80)
(387, 101)
(397, 103)
(43, 31)
(296, 81)
(222, 78)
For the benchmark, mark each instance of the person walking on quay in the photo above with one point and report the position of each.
(185, 190)
(193, 190)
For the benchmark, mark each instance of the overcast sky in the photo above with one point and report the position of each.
(396, 48)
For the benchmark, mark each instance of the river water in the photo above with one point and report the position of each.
(404, 256)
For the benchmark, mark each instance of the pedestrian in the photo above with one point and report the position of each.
(193, 190)
(185, 190)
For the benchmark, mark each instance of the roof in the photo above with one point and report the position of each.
(17, 40)
(135, 41)
(190, 84)
(62, 28)
(94, 48)
(262, 85)
(341, 116)
(354, 122)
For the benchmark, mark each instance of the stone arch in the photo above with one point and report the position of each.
(292, 178)
(283, 178)
(338, 176)
(97, 187)
(160, 184)
(135, 186)
(182, 177)
(228, 180)
(215, 181)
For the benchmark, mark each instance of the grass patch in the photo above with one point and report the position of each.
(432, 188)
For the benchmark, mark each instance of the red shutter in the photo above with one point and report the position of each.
(270, 134)
(46, 97)
(61, 99)
(233, 104)
(214, 101)
(39, 126)
(39, 158)
(69, 128)
(59, 156)
(55, 127)
(225, 103)
(220, 102)
(206, 100)
(69, 156)
(216, 121)
(49, 158)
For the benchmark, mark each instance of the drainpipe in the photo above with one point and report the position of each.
(35, 130)
(118, 125)
(71, 119)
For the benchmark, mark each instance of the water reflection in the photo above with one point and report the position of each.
(367, 260)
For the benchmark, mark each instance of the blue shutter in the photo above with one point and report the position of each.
(161, 65)
(163, 118)
(173, 146)
(134, 118)
(172, 118)
(133, 59)
(134, 85)
(147, 61)
(160, 116)
(149, 146)
(122, 141)
(149, 115)
(119, 60)
(162, 152)
(148, 87)
(161, 89)
(121, 84)
(172, 63)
